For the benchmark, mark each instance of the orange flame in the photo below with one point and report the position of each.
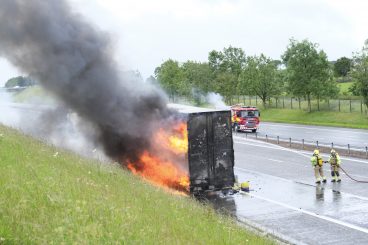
(180, 144)
(163, 168)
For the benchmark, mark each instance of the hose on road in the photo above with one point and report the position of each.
(360, 181)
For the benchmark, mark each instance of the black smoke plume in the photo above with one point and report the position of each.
(73, 60)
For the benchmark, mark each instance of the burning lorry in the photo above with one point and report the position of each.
(193, 154)
(210, 150)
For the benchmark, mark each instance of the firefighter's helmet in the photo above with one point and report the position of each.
(333, 152)
(315, 152)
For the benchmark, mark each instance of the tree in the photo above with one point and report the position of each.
(308, 72)
(260, 77)
(198, 75)
(170, 76)
(227, 63)
(19, 81)
(152, 80)
(360, 71)
(342, 67)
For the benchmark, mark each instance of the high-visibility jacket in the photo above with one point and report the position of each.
(235, 119)
(316, 160)
(335, 160)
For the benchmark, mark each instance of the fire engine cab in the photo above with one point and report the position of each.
(245, 118)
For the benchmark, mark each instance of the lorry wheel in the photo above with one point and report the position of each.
(254, 130)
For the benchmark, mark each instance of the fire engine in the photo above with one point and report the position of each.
(245, 118)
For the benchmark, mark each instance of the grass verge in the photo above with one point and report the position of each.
(49, 198)
(325, 118)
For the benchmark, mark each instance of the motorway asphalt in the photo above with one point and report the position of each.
(285, 201)
(327, 135)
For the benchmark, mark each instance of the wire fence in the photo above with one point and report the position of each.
(305, 144)
(340, 105)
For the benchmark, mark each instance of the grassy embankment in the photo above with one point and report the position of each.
(48, 198)
(326, 118)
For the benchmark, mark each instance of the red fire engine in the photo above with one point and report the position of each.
(245, 118)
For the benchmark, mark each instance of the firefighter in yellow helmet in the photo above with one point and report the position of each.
(317, 163)
(335, 162)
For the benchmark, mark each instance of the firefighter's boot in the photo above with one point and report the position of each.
(324, 179)
(334, 177)
(318, 181)
(338, 179)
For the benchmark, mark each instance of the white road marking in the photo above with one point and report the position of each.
(339, 222)
(274, 160)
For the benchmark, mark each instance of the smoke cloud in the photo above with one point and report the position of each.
(73, 60)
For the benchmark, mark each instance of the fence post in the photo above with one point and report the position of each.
(256, 135)
(317, 144)
(303, 144)
(266, 138)
(283, 102)
(361, 106)
(339, 106)
(290, 142)
(350, 105)
(332, 145)
(366, 152)
(299, 104)
(349, 149)
(318, 104)
(278, 140)
(291, 102)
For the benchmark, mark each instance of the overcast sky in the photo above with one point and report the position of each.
(148, 32)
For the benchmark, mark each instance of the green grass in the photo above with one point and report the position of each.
(327, 118)
(48, 198)
(344, 88)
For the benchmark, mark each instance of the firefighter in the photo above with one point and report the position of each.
(335, 162)
(236, 120)
(317, 164)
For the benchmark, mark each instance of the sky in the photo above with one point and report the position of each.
(145, 33)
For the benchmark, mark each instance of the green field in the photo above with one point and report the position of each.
(327, 118)
(344, 88)
(51, 196)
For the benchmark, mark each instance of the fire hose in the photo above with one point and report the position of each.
(360, 181)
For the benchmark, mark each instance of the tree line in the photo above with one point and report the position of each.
(302, 72)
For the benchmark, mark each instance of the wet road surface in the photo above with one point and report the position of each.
(339, 136)
(285, 201)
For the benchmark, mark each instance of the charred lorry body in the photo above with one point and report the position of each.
(210, 151)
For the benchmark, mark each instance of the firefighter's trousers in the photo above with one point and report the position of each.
(335, 172)
(318, 172)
